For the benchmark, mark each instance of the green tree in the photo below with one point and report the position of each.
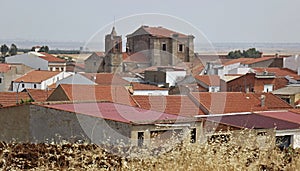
(250, 53)
(44, 49)
(13, 50)
(4, 50)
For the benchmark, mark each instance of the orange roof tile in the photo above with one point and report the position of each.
(116, 94)
(273, 102)
(39, 95)
(140, 86)
(255, 60)
(228, 102)
(238, 60)
(173, 104)
(210, 80)
(37, 76)
(50, 58)
(106, 78)
(162, 32)
(279, 72)
(9, 98)
(4, 68)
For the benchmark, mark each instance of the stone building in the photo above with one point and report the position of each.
(163, 46)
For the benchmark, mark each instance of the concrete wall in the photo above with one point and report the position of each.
(172, 77)
(29, 60)
(14, 123)
(292, 62)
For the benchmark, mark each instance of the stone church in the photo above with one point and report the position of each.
(147, 46)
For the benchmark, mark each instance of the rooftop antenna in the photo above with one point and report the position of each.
(114, 21)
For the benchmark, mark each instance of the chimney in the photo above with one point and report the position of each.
(262, 100)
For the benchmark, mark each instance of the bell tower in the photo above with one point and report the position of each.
(113, 51)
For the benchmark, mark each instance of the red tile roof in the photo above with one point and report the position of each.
(279, 72)
(106, 78)
(140, 86)
(39, 95)
(9, 98)
(118, 112)
(116, 94)
(210, 80)
(173, 104)
(4, 68)
(162, 32)
(227, 102)
(50, 58)
(273, 102)
(235, 102)
(138, 57)
(282, 115)
(37, 76)
(247, 60)
(254, 121)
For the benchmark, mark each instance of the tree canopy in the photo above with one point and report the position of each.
(250, 53)
(4, 50)
(13, 50)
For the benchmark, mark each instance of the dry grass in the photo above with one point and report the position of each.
(243, 154)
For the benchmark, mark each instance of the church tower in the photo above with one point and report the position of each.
(113, 51)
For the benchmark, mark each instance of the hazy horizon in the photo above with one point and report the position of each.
(258, 21)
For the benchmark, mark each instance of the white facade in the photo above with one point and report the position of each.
(174, 76)
(295, 136)
(43, 85)
(28, 59)
(151, 92)
(292, 62)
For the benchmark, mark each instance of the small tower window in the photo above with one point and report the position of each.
(164, 46)
(180, 48)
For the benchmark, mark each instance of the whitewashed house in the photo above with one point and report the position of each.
(39, 61)
(38, 79)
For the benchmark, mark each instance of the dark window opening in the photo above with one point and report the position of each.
(140, 138)
(95, 63)
(0, 80)
(34, 85)
(180, 47)
(23, 85)
(283, 141)
(193, 135)
(164, 47)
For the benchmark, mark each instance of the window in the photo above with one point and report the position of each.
(34, 85)
(140, 139)
(180, 48)
(268, 87)
(193, 135)
(95, 63)
(0, 80)
(283, 141)
(23, 85)
(164, 46)
(117, 46)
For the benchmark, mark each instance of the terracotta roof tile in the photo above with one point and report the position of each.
(140, 86)
(39, 95)
(106, 78)
(279, 72)
(9, 98)
(227, 102)
(4, 68)
(162, 32)
(173, 104)
(116, 94)
(273, 102)
(255, 60)
(210, 80)
(50, 58)
(238, 60)
(37, 76)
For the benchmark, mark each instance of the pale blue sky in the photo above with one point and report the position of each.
(220, 21)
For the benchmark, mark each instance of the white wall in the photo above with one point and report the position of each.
(42, 85)
(295, 133)
(239, 71)
(173, 76)
(29, 60)
(292, 62)
(151, 92)
(213, 88)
